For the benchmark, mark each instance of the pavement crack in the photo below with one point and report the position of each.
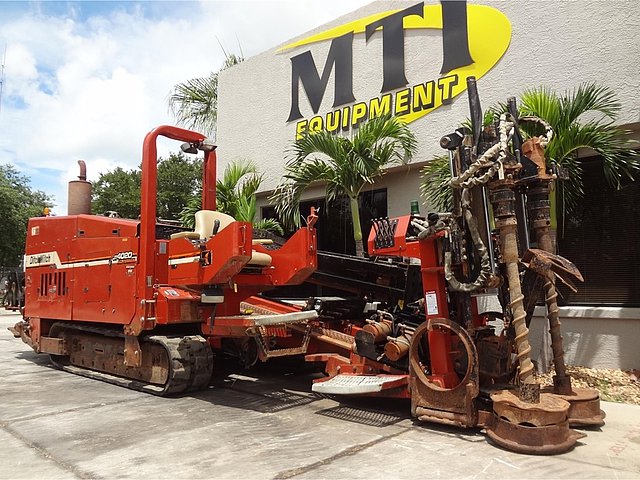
(353, 450)
(42, 452)
(71, 410)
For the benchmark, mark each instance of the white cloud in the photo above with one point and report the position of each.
(92, 89)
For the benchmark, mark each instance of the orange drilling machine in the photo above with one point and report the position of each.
(139, 303)
(145, 304)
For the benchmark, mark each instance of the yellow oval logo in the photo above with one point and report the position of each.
(488, 34)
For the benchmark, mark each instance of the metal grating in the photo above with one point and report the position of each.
(362, 416)
(53, 284)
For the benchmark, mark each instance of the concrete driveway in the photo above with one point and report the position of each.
(265, 425)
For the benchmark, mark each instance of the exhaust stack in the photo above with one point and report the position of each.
(79, 199)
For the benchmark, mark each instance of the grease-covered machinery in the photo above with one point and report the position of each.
(144, 305)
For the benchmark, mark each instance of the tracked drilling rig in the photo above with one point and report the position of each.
(133, 302)
(148, 305)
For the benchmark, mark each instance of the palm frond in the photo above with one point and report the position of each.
(386, 136)
(286, 198)
(588, 97)
(619, 160)
(194, 102)
(240, 180)
(570, 191)
(270, 225)
(245, 209)
(541, 102)
(311, 171)
(330, 148)
(235, 170)
(187, 214)
(434, 186)
(564, 113)
(299, 176)
(344, 165)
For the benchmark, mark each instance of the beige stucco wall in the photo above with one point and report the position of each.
(559, 44)
(596, 337)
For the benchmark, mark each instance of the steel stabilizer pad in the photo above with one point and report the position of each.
(532, 428)
(584, 410)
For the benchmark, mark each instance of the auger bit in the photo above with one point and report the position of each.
(549, 265)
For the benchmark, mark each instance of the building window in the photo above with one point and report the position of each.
(335, 231)
(602, 238)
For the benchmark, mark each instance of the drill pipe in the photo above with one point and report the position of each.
(540, 210)
(503, 200)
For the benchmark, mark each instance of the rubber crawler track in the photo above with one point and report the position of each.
(190, 361)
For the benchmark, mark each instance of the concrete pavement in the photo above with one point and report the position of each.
(265, 425)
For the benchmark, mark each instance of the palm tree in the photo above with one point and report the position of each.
(194, 103)
(235, 196)
(565, 114)
(344, 165)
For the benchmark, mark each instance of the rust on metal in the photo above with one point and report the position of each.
(132, 351)
(54, 346)
(106, 354)
(529, 392)
(546, 263)
(549, 410)
(533, 428)
(494, 358)
(397, 347)
(380, 329)
(430, 402)
(532, 148)
(584, 402)
(169, 364)
(503, 200)
(584, 410)
(547, 440)
(21, 330)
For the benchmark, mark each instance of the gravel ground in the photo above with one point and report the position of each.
(613, 385)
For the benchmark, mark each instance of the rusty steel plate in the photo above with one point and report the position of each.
(584, 410)
(547, 440)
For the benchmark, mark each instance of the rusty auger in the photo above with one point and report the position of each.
(529, 421)
(585, 402)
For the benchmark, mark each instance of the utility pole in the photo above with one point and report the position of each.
(4, 58)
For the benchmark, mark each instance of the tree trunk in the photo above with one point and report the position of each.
(357, 229)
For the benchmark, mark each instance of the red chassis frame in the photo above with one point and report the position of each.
(90, 268)
(442, 342)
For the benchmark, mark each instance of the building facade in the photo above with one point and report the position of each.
(411, 59)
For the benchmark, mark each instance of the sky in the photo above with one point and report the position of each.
(87, 80)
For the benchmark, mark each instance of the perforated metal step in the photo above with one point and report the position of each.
(359, 384)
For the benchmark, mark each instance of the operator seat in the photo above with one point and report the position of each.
(206, 220)
(205, 223)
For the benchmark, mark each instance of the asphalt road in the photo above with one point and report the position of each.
(265, 425)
